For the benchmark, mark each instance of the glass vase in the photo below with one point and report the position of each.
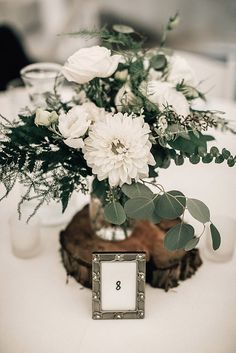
(40, 79)
(104, 229)
(25, 237)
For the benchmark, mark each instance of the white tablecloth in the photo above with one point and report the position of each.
(40, 313)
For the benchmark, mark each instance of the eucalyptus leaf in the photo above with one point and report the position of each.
(179, 159)
(215, 236)
(208, 158)
(158, 62)
(231, 161)
(219, 159)
(114, 213)
(178, 237)
(198, 210)
(214, 151)
(139, 208)
(191, 244)
(225, 153)
(123, 29)
(137, 190)
(166, 162)
(194, 159)
(171, 204)
(154, 218)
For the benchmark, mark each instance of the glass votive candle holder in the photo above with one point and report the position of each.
(39, 79)
(18, 97)
(25, 237)
(227, 228)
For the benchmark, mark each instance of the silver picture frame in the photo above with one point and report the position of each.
(99, 258)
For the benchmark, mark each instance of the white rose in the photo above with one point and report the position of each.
(163, 93)
(45, 118)
(88, 63)
(180, 70)
(124, 96)
(94, 113)
(74, 125)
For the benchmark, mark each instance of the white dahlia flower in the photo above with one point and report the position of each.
(118, 148)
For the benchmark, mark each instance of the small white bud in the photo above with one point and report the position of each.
(45, 118)
(121, 75)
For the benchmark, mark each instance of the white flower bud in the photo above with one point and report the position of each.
(173, 22)
(121, 75)
(45, 118)
(162, 123)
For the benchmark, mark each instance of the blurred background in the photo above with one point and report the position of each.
(29, 30)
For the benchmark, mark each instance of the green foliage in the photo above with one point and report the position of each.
(114, 213)
(208, 158)
(100, 189)
(191, 144)
(215, 236)
(139, 207)
(179, 159)
(172, 23)
(214, 151)
(137, 190)
(178, 236)
(34, 156)
(225, 153)
(219, 159)
(66, 189)
(119, 37)
(194, 159)
(158, 62)
(191, 244)
(198, 210)
(171, 204)
(231, 161)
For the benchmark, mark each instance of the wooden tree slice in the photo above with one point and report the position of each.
(164, 268)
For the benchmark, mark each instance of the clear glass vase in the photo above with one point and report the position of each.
(25, 237)
(104, 229)
(40, 79)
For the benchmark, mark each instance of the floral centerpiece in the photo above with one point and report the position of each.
(132, 113)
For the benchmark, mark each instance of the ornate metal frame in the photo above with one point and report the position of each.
(140, 259)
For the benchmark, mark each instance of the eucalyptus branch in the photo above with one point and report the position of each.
(204, 228)
(176, 199)
(172, 23)
(158, 186)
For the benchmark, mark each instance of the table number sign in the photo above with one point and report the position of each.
(118, 285)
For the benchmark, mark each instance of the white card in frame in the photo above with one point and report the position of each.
(118, 285)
